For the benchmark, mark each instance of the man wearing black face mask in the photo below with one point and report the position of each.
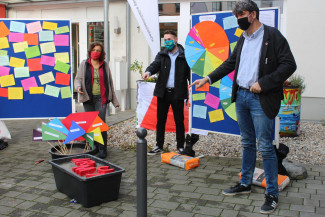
(262, 61)
(171, 89)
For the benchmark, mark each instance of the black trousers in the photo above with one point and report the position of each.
(162, 111)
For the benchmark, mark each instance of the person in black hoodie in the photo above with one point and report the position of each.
(171, 89)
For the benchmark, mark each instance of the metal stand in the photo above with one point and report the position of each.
(141, 173)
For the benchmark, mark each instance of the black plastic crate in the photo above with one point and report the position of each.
(87, 191)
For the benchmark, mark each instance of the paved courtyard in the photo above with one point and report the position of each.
(27, 189)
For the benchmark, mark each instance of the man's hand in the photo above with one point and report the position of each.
(256, 88)
(199, 83)
(145, 76)
(79, 90)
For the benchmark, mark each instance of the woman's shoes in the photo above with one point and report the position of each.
(102, 153)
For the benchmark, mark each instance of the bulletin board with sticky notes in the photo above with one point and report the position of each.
(207, 46)
(35, 69)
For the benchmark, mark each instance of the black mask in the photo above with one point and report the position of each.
(243, 23)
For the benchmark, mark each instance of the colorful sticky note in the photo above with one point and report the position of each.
(3, 52)
(28, 83)
(32, 39)
(52, 91)
(21, 72)
(62, 78)
(16, 37)
(16, 62)
(212, 101)
(46, 78)
(216, 115)
(17, 26)
(4, 43)
(47, 60)
(216, 84)
(198, 96)
(46, 36)
(233, 45)
(15, 93)
(34, 27)
(61, 67)
(32, 52)
(230, 22)
(4, 92)
(49, 25)
(205, 87)
(238, 32)
(62, 29)
(199, 111)
(34, 64)
(4, 70)
(66, 92)
(61, 40)
(4, 31)
(36, 90)
(63, 57)
(20, 46)
(4, 60)
(48, 47)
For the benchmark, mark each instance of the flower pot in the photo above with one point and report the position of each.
(290, 112)
(77, 149)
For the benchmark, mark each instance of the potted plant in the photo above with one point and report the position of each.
(137, 66)
(291, 105)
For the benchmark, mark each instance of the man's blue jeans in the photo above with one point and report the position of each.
(254, 124)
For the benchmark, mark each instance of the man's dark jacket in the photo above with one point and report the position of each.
(276, 65)
(162, 65)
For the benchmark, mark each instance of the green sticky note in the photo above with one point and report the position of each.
(21, 72)
(216, 84)
(61, 67)
(232, 46)
(198, 96)
(65, 92)
(3, 52)
(52, 91)
(49, 133)
(62, 29)
(89, 138)
(32, 52)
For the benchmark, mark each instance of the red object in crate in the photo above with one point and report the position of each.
(87, 167)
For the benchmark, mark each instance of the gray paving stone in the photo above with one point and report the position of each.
(310, 202)
(220, 205)
(299, 195)
(127, 213)
(184, 188)
(322, 192)
(291, 200)
(4, 210)
(288, 213)
(26, 204)
(190, 195)
(237, 200)
(308, 214)
(207, 190)
(320, 211)
(75, 213)
(164, 204)
(207, 210)
(185, 207)
(229, 213)
(26, 196)
(212, 197)
(307, 190)
(244, 208)
(174, 213)
(109, 211)
(12, 194)
(12, 202)
(20, 213)
(303, 208)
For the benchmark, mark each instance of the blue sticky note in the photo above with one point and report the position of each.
(230, 22)
(57, 125)
(17, 27)
(46, 36)
(74, 132)
(200, 111)
(4, 60)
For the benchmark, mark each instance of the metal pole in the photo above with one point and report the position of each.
(128, 54)
(141, 173)
(106, 39)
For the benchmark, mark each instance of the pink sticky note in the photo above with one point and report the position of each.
(29, 82)
(212, 101)
(46, 60)
(4, 70)
(16, 37)
(231, 75)
(34, 27)
(61, 40)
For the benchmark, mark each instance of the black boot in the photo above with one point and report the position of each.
(103, 148)
(190, 141)
(282, 153)
(3, 144)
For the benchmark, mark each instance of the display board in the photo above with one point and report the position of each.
(35, 69)
(207, 46)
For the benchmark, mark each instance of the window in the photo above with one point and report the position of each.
(171, 9)
(95, 32)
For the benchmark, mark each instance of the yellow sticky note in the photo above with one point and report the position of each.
(4, 43)
(63, 57)
(216, 115)
(7, 80)
(49, 25)
(20, 46)
(46, 78)
(36, 90)
(15, 93)
(238, 32)
(16, 62)
(48, 47)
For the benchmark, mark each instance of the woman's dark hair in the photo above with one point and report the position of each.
(172, 32)
(94, 44)
(246, 5)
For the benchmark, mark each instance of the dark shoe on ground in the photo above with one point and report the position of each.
(102, 153)
(180, 150)
(155, 151)
(238, 189)
(270, 204)
(3, 144)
